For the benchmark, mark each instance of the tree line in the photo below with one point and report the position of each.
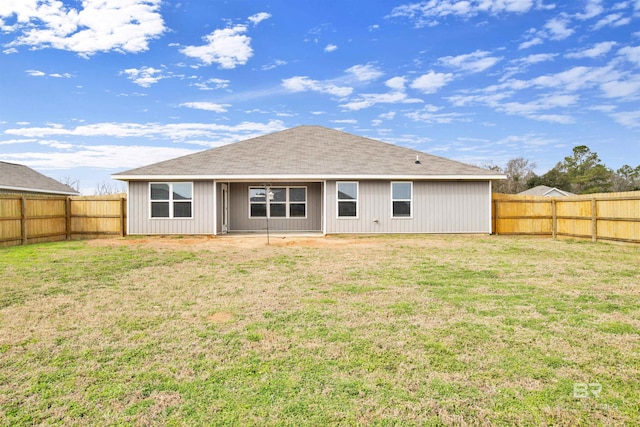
(580, 173)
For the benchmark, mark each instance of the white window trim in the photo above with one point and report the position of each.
(171, 201)
(256, 187)
(356, 200)
(402, 200)
(287, 202)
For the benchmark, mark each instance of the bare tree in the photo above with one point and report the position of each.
(518, 172)
(71, 182)
(104, 188)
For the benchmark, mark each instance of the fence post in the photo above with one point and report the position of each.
(495, 215)
(68, 217)
(23, 219)
(554, 220)
(123, 209)
(594, 220)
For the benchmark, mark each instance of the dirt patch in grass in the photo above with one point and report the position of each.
(220, 317)
(251, 241)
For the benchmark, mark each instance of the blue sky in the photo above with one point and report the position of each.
(89, 88)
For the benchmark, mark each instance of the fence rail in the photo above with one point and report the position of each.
(605, 216)
(28, 219)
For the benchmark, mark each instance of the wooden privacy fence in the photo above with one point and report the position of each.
(607, 216)
(34, 219)
(604, 216)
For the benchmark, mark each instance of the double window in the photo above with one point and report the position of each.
(278, 202)
(171, 199)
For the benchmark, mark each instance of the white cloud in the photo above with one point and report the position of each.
(431, 82)
(330, 48)
(629, 88)
(99, 156)
(228, 47)
(396, 83)
(365, 73)
(56, 144)
(274, 64)
(605, 108)
(175, 132)
(474, 62)
(531, 42)
(426, 13)
(207, 106)
(465, 100)
(576, 78)
(371, 99)
(632, 54)
(346, 121)
(532, 109)
(259, 17)
(17, 141)
(36, 73)
(557, 28)
(520, 65)
(630, 119)
(124, 26)
(540, 57)
(592, 9)
(429, 114)
(527, 140)
(145, 76)
(212, 84)
(597, 50)
(553, 118)
(303, 84)
(612, 20)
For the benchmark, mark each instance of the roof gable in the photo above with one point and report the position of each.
(308, 151)
(20, 178)
(544, 190)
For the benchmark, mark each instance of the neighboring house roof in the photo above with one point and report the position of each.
(21, 179)
(309, 152)
(543, 190)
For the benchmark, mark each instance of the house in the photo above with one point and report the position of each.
(19, 179)
(308, 179)
(543, 190)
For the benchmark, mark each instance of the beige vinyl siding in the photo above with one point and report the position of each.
(438, 207)
(239, 219)
(141, 223)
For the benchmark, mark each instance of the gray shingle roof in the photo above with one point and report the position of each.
(543, 190)
(308, 151)
(20, 178)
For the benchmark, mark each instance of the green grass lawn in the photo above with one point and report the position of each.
(417, 330)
